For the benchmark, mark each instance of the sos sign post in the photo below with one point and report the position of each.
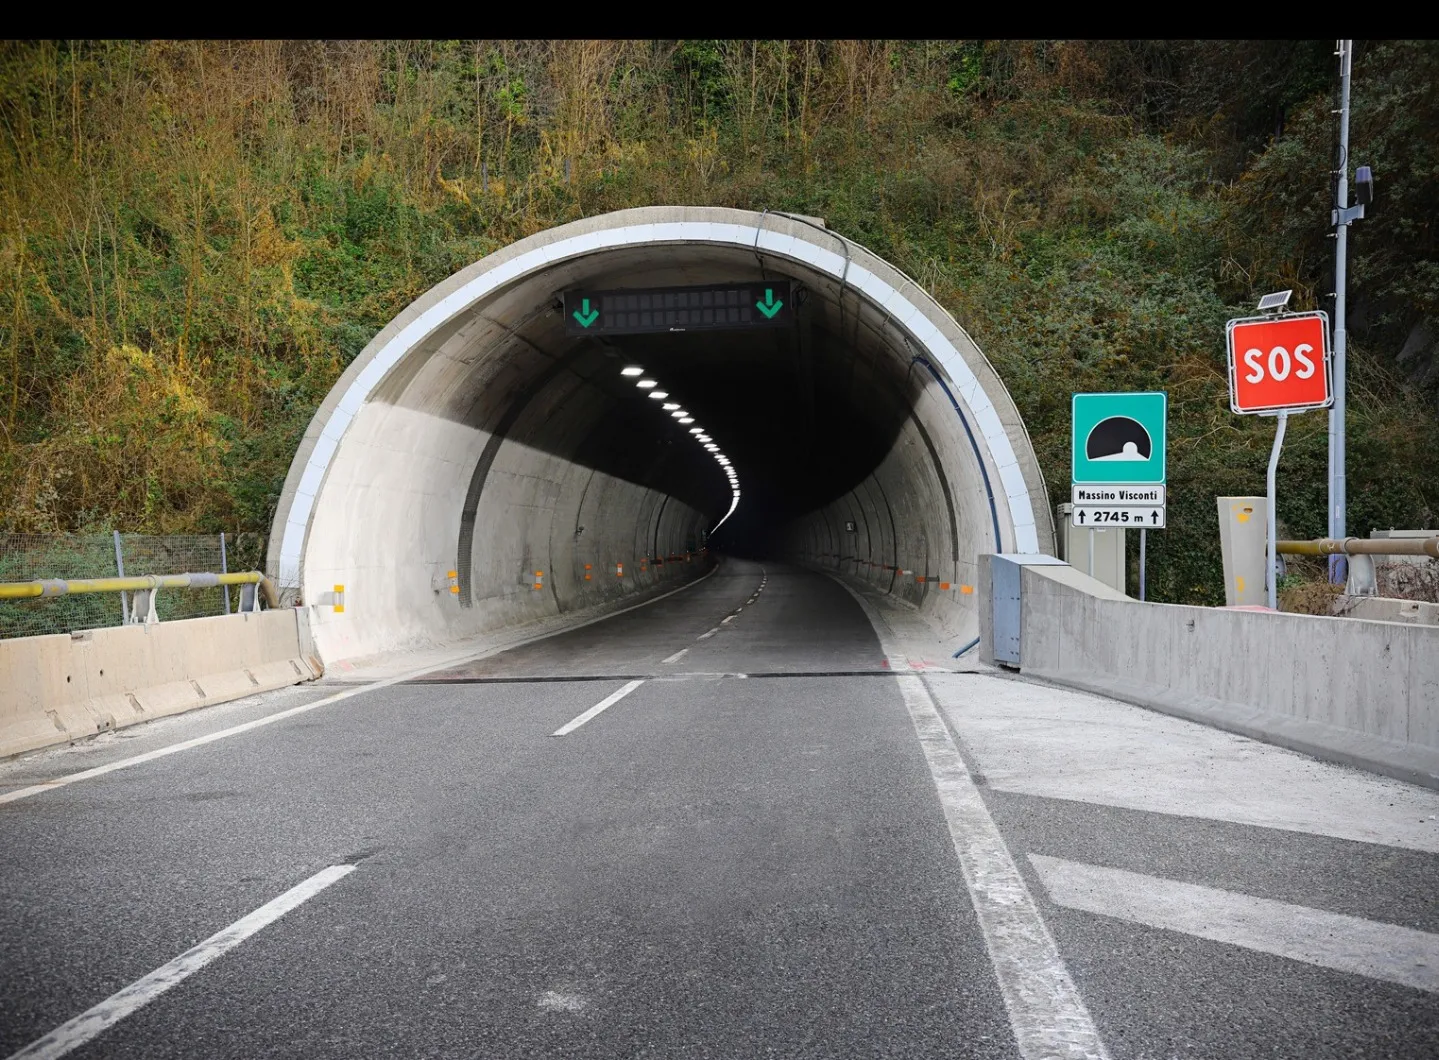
(1278, 365)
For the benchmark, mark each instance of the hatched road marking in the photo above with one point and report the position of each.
(1330, 940)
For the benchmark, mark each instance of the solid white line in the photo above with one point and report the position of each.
(1330, 940)
(676, 657)
(1046, 1013)
(142, 991)
(604, 704)
(270, 719)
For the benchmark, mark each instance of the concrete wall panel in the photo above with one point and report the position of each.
(67, 686)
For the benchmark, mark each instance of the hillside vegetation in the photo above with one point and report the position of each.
(195, 239)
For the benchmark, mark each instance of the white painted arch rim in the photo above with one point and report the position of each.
(903, 311)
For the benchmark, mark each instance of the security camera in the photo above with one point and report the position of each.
(1364, 185)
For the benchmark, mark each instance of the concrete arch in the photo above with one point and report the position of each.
(472, 435)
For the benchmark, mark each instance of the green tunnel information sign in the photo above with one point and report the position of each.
(1120, 439)
(644, 310)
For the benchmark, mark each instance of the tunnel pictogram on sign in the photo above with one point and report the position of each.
(1279, 364)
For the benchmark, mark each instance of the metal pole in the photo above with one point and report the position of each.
(1337, 484)
(120, 572)
(1142, 533)
(1273, 555)
(224, 570)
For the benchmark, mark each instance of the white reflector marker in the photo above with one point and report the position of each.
(87, 1025)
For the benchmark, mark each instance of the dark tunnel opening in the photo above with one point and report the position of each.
(794, 410)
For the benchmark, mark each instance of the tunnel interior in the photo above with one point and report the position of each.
(494, 467)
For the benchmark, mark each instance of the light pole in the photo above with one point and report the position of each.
(1343, 216)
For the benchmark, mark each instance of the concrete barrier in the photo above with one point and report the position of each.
(58, 688)
(1353, 691)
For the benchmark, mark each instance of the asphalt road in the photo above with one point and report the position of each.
(745, 854)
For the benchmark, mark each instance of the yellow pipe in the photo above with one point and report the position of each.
(1363, 546)
(61, 587)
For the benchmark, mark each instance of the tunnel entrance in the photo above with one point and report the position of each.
(482, 464)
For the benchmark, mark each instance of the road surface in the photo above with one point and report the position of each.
(730, 823)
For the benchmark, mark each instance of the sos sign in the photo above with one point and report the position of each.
(1279, 364)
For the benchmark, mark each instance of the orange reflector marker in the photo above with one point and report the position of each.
(966, 589)
(339, 599)
(920, 578)
(944, 586)
(539, 580)
(619, 570)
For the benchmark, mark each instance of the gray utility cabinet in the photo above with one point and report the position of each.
(1003, 611)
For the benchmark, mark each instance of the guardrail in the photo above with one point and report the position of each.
(1363, 579)
(1363, 546)
(254, 587)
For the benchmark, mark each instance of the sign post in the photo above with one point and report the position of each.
(1118, 465)
(1278, 365)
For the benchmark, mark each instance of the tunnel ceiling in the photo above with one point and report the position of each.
(804, 412)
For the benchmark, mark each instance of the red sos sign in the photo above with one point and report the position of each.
(1279, 364)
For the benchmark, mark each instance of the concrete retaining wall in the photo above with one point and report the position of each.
(1359, 692)
(66, 686)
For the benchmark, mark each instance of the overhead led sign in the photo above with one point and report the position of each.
(642, 310)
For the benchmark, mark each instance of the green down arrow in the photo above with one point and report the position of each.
(585, 315)
(771, 305)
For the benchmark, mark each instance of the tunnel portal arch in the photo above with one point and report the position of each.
(475, 468)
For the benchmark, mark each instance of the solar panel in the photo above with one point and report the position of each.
(1277, 300)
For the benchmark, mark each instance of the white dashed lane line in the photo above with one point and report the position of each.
(599, 708)
(141, 992)
(724, 621)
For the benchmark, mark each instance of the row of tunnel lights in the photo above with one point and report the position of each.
(637, 373)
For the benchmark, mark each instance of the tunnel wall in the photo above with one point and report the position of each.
(385, 480)
(914, 520)
(532, 504)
